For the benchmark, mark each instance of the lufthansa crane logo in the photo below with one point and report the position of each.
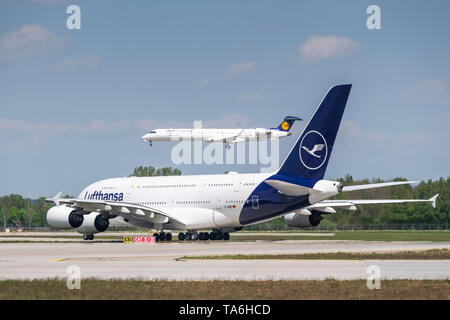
(285, 125)
(313, 150)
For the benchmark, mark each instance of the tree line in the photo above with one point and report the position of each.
(19, 212)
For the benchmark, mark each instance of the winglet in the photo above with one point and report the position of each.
(433, 200)
(55, 199)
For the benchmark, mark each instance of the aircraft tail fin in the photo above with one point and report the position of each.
(286, 124)
(308, 159)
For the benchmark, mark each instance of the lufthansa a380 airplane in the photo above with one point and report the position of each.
(225, 202)
(227, 136)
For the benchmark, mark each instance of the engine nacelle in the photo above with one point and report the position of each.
(303, 220)
(93, 223)
(232, 229)
(62, 217)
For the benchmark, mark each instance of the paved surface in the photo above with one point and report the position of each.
(160, 261)
(62, 236)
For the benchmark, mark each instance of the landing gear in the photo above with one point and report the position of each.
(203, 236)
(88, 237)
(193, 236)
(150, 143)
(227, 146)
(162, 236)
(219, 235)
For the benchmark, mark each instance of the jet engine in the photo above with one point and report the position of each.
(232, 229)
(62, 217)
(93, 222)
(303, 219)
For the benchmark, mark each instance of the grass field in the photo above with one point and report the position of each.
(166, 290)
(434, 254)
(439, 236)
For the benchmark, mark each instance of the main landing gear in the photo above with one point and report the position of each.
(162, 236)
(88, 237)
(193, 236)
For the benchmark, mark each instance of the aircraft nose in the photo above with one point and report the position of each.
(145, 136)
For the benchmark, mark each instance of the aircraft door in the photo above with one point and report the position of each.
(255, 202)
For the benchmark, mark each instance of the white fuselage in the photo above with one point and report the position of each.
(201, 201)
(215, 135)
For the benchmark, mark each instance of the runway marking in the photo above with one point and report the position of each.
(57, 260)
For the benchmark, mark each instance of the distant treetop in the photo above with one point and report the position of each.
(150, 171)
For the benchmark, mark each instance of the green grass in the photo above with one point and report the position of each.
(440, 236)
(165, 290)
(434, 254)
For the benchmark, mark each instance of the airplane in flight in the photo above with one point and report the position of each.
(225, 203)
(227, 136)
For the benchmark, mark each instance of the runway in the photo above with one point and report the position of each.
(110, 260)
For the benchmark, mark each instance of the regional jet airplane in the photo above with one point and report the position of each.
(225, 202)
(227, 136)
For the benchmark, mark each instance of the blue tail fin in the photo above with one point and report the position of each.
(286, 124)
(309, 157)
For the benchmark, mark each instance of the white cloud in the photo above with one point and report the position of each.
(205, 81)
(28, 127)
(433, 92)
(249, 97)
(29, 41)
(41, 128)
(227, 120)
(69, 64)
(319, 48)
(240, 69)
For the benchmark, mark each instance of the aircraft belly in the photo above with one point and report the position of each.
(223, 220)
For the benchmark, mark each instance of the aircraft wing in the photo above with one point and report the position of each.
(124, 209)
(351, 204)
(229, 139)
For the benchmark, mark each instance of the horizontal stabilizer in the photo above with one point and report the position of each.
(346, 204)
(376, 185)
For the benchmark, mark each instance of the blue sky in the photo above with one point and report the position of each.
(74, 103)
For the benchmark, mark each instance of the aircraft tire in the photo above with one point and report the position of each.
(194, 236)
(162, 236)
(168, 236)
(226, 236)
(212, 236)
(188, 236)
(181, 236)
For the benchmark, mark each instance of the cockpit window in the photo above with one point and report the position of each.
(153, 131)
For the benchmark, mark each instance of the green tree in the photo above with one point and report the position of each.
(16, 216)
(5, 202)
(150, 171)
